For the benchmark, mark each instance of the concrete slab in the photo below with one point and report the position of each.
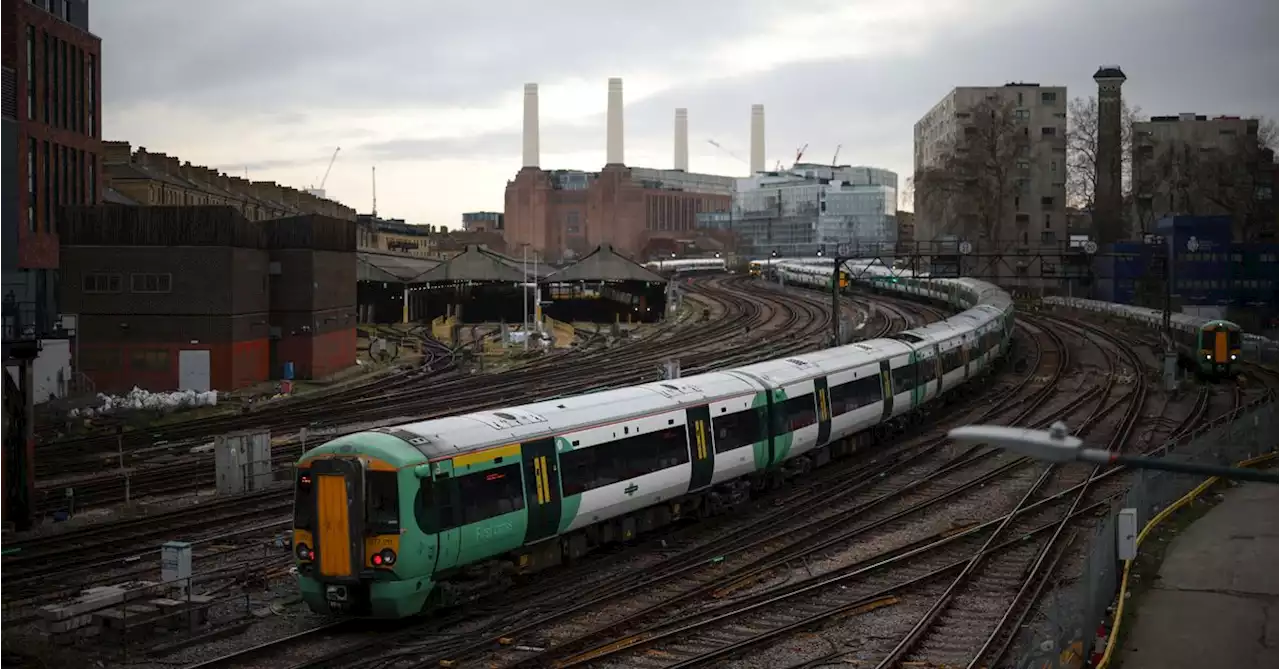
(1215, 601)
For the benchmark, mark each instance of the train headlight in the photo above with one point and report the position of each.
(304, 552)
(383, 558)
(1208, 357)
(1233, 356)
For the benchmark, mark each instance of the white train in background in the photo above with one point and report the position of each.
(687, 265)
(1197, 337)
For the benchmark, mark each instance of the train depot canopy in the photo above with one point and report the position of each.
(605, 287)
(604, 264)
(392, 268)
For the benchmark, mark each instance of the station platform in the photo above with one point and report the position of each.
(1214, 603)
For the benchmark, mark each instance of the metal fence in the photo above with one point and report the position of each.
(1062, 634)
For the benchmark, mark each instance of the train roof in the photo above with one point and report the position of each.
(447, 437)
(797, 368)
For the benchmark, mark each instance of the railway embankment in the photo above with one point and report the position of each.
(1205, 586)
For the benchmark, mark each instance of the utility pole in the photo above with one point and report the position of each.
(524, 289)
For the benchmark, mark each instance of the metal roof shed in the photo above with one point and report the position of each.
(605, 264)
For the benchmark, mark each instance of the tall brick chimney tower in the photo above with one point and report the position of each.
(1108, 202)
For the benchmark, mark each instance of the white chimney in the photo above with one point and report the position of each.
(757, 138)
(613, 151)
(682, 140)
(531, 148)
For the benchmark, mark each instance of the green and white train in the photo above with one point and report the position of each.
(390, 522)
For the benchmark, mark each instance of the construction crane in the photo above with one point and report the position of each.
(836, 157)
(727, 152)
(800, 154)
(329, 168)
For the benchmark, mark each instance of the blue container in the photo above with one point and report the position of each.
(288, 371)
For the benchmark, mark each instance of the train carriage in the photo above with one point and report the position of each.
(388, 519)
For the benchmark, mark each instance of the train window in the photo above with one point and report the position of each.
(904, 378)
(736, 430)
(304, 501)
(490, 493)
(794, 414)
(952, 359)
(855, 394)
(926, 370)
(604, 464)
(382, 503)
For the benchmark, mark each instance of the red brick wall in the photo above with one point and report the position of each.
(249, 362)
(231, 365)
(317, 356)
(38, 248)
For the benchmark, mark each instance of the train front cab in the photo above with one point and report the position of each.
(1219, 347)
(356, 553)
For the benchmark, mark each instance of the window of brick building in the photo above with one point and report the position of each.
(101, 282)
(151, 283)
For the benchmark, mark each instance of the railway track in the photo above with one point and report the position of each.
(95, 559)
(704, 639)
(558, 589)
(701, 349)
(729, 546)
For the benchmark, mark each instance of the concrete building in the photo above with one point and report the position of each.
(812, 208)
(564, 214)
(482, 221)
(142, 177)
(394, 235)
(906, 231)
(53, 138)
(1193, 165)
(1037, 212)
(199, 297)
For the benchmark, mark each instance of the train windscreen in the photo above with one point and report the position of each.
(382, 503)
(304, 501)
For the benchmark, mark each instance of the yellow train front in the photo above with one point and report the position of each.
(1218, 349)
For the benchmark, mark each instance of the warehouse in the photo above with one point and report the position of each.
(201, 298)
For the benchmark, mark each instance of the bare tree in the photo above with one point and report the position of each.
(969, 192)
(1082, 150)
(1223, 177)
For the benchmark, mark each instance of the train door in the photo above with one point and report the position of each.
(339, 499)
(541, 489)
(822, 393)
(886, 390)
(1220, 346)
(446, 508)
(938, 369)
(773, 410)
(701, 449)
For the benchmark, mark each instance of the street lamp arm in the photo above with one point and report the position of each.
(1056, 445)
(1169, 465)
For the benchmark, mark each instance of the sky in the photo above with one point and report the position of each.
(430, 91)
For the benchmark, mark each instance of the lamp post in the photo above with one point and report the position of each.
(524, 290)
(841, 258)
(1055, 445)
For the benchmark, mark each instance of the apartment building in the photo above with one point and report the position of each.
(1036, 212)
(1194, 165)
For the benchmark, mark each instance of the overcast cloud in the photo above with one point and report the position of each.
(430, 91)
